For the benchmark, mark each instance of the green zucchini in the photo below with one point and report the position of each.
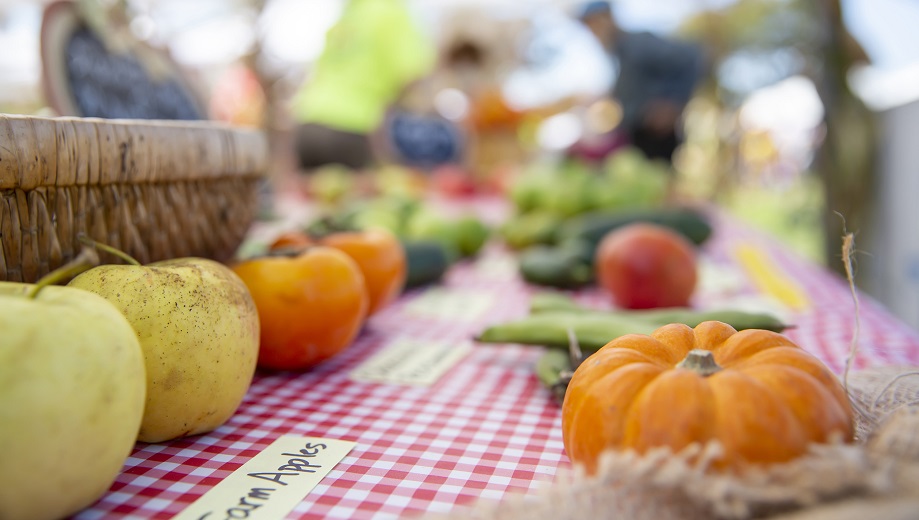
(427, 261)
(566, 267)
(595, 328)
(592, 227)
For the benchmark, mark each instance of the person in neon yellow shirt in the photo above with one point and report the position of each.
(371, 55)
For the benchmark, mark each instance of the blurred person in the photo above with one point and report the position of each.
(372, 54)
(656, 78)
(477, 52)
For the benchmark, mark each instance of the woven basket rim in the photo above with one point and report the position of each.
(38, 151)
(178, 123)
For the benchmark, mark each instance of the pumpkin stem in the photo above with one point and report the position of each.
(701, 362)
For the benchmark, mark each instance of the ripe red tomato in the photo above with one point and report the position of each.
(453, 182)
(646, 266)
(310, 306)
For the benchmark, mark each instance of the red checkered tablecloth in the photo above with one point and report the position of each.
(485, 429)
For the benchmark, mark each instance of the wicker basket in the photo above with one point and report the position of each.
(154, 189)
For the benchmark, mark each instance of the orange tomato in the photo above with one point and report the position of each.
(381, 258)
(378, 253)
(311, 306)
(291, 240)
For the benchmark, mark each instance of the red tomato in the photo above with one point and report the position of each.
(311, 306)
(646, 266)
(453, 182)
(381, 258)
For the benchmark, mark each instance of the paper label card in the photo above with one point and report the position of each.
(452, 304)
(273, 482)
(499, 267)
(411, 362)
(719, 279)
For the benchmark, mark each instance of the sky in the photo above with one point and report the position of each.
(888, 29)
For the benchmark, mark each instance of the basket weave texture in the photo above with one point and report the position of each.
(154, 189)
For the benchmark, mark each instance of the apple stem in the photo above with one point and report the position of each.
(86, 259)
(110, 250)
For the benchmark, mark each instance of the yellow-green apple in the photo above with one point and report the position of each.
(199, 331)
(72, 391)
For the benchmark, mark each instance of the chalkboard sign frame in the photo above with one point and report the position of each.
(61, 20)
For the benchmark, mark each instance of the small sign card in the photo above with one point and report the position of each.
(273, 482)
(498, 267)
(411, 362)
(452, 304)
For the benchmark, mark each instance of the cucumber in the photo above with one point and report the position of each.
(567, 267)
(528, 229)
(427, 261)
(593, 226)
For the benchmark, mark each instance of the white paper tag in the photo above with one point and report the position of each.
(411, 362)
(755, 303)
(273, 482)
(719, 279)
(451, 304)
(498, 267)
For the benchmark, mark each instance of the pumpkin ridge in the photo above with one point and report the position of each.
(826, 410)
(762, 357)
(753, 424)
(591, 440)
(711, 335)
(806, 362)
(748, 343)
(595, 367)
(662, 355)
(616, 373)
(647, 408)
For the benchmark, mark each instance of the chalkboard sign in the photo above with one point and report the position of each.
(116, 86)
(83, 78)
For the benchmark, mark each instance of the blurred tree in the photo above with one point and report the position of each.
(755, 43)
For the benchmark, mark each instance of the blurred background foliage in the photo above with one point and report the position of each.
(776, 133)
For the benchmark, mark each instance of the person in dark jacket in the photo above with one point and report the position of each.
(656, 78)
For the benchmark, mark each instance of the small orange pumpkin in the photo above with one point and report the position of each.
(762, 397)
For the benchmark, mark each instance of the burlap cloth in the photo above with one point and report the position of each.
(876, 478)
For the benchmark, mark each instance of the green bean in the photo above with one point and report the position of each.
(550, 302)
(551, 329)
(553, 368)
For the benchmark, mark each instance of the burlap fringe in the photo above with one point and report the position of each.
(879, 473)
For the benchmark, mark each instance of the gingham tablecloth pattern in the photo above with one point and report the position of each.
(485, 429)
